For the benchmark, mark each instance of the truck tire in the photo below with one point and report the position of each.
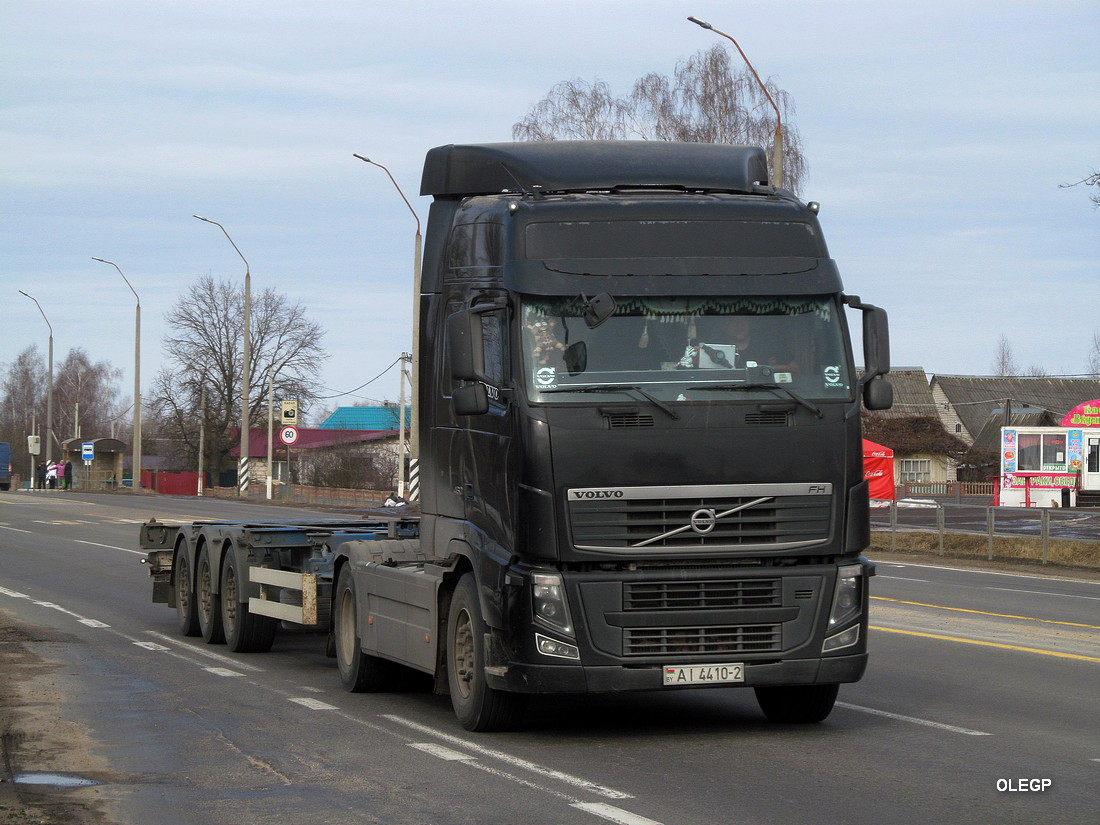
(186, 612)
(210, 614)
(797, 704)
(359, 671)
(244, 631)
(477, 706)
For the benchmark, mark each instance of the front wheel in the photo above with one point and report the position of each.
(359, 671)
(797, 704)
(477, 706)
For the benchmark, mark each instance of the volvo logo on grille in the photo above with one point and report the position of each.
(578, 494)
(703, 521)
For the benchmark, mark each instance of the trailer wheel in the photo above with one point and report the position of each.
(186, 612)
(210, 614)
(360, 672)
(244, 631)
(797, 704)
(477, 706)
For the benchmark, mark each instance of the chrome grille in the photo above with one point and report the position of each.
(664, 523)
(660, 641)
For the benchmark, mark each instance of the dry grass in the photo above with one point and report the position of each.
(1080, 554)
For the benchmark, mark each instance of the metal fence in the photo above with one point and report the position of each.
(1042, 524)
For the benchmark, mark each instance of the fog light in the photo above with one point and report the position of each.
(552, 647)
(846, 639)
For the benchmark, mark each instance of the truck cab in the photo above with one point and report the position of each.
(640, 421)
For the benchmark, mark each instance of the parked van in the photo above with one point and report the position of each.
(5, 465)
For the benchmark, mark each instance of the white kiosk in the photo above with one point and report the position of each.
(1052, 466)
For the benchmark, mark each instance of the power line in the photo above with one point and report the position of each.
(356, 389)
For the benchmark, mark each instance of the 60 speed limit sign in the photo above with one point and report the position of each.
(288, 435)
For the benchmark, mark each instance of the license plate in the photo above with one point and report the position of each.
(704, 674)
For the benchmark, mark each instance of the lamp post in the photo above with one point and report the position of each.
(242, 472)
(136, 470)
(777, 162)
(414, 380)
(49, 383)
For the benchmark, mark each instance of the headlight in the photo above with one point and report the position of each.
(848, 596)
(550, 605)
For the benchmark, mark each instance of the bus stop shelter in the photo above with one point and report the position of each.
(103, 471)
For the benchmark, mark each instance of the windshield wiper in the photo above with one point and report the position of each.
(756, 385)
(657, 402)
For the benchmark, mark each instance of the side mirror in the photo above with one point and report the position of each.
(878, 394)
(471, 399)
(876, 340)
(465, 345)
(597, 310)
(576, 357)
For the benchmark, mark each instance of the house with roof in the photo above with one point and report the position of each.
(924, 452)
(966, 404)
(353, 458)
(378, 418)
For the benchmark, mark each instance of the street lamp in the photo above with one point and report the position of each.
(414, 381)
(136, 470)
(777, 162)
(49, 383)
(242, 472)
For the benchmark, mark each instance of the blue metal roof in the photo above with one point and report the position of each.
(365, 418)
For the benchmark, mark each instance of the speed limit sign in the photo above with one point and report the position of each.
(288, 435)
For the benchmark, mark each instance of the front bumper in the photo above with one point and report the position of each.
(524, 677)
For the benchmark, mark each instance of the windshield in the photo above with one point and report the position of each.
(685, 349)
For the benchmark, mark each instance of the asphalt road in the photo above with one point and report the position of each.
(980, 705)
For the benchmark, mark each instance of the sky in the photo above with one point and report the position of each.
(938, 137)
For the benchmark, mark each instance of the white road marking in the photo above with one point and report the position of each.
(222, 671)
(914, 720)
(575, 781)
(151, 646)
(14, 594)
(109, 547)
(1046, 593)
(312, 704)
(13, 529)
(902, 578)
(441, 752)
(613, 814)
(217, 657)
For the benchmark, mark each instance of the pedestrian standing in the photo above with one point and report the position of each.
(68, 475)
(40, 475)
(51, 475)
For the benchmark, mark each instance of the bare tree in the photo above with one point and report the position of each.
(86, 398)
(203, 349)
(23, 404)
(1004, 360)
(1094, 355)
(705, 101)
(80, 387)
(1089, 180)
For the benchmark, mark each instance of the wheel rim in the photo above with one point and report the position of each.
(205, 590)
(229, 598)
(183, 586)
(462, 657)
